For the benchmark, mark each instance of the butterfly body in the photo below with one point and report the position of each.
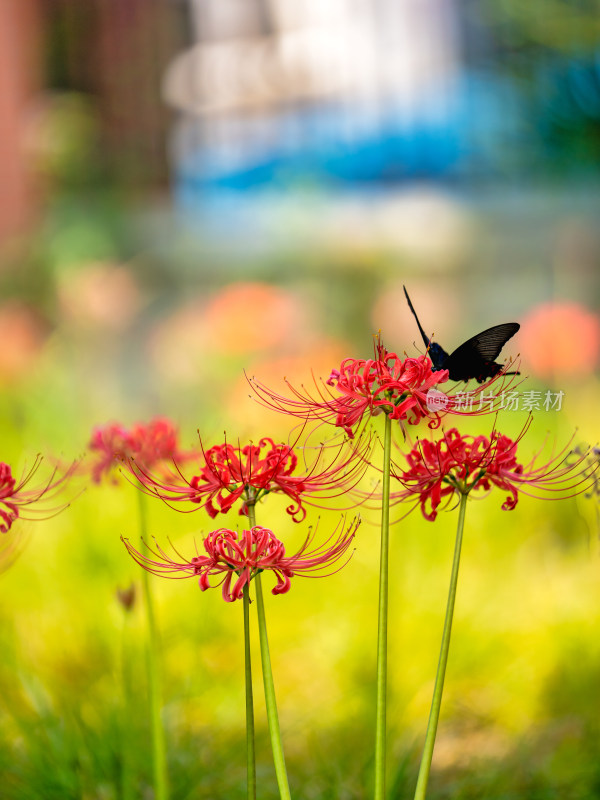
(438, 356)
(475, 358)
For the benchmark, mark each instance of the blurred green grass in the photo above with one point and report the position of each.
(519, 715)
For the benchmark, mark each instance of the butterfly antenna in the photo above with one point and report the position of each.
(426, 339)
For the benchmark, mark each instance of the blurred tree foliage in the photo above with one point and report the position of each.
(549, 52)
(567, 27)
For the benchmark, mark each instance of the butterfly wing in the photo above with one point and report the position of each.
(475, 358)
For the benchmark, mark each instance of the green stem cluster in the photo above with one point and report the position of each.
(250, 748)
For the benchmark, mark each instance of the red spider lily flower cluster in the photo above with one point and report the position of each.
(228, 474)
(383, 384)
(402, 389)
(234, 558)
(458, 464)
(15, 497)
(147, 444)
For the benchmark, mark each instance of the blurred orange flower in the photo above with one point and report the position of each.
(560, 338)
(241, 319)
(247, 317)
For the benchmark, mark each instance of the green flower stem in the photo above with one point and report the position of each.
(250, 750)
(159, 750)
(436, 702)
(127, 776)
(272, 716)
(271, 702)
(380, 721)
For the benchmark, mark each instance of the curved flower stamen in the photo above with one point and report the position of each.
(228, 474)
(234, 557)
(15, 497)
(457, 464)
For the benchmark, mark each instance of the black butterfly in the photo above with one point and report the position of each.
(475, 358)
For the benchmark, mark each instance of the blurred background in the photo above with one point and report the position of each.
(194, 188)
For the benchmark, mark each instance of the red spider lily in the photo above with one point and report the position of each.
(15, 497)
(147, 444)
(402, 389)
(237, 557)
(458, 464)
(384, 384)
(228, 474)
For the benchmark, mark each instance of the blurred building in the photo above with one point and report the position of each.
(273, 90)
(233, 94)
(110, 54)
(20, 80)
